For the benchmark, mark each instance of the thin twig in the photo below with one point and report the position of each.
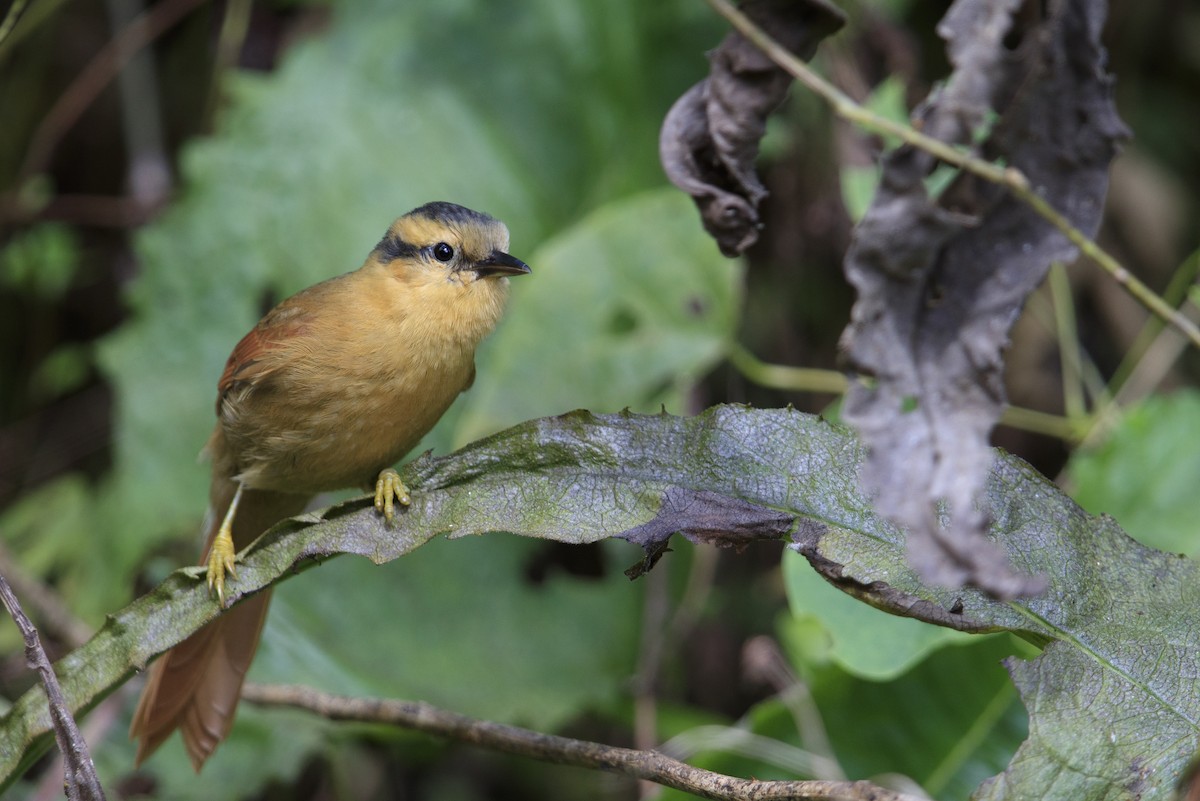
(961, 158)
(79, 774)
(95, 211)
(649, 765)
(655, 609)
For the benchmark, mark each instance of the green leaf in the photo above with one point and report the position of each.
(858, 188)
(1112, 699)
(65, 369)
(887, 100)
(1157, 507)
(858, 182)
(57, 543)
(864, 641)
(254, 758)
(948, 723)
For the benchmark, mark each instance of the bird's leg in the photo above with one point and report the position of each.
(389, 489)
(221, 552)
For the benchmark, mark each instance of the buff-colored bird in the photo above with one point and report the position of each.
(331, 388)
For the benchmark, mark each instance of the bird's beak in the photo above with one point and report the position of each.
(500, 263)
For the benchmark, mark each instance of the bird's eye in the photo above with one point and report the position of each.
(443, 252)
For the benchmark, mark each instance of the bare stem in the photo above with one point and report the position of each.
(79, 774)
(648, 765)
(961, 158)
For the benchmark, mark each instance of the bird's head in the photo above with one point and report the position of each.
(446, 242)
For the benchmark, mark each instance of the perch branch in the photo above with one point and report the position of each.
(648, 765)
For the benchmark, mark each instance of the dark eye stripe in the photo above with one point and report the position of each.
(393, 247)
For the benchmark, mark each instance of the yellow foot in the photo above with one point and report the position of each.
(220, 562)
(221, 552)
(389, 489)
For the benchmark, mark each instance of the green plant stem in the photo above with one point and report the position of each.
(1175, 294)
(234, 27)
(1066, 329)
(809, 379)
(1051, 425)
(1009, 177)
(778, 376)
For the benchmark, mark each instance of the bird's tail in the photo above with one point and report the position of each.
(196, 685)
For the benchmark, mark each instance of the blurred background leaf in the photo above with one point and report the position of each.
(1158, 506)
(908, 732)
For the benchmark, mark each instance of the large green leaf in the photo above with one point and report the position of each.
(1112, 699)
(881, 683)
(463, 630)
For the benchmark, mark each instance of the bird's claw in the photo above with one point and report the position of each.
(220, 562)
(389, 490)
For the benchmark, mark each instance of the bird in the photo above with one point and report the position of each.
(329, 390)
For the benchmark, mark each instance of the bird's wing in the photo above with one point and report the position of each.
(253, 359)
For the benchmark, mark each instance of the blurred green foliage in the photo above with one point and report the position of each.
(1145, 472)
(40, 261)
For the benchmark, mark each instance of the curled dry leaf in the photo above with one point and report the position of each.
(941, 281)
(710, 137)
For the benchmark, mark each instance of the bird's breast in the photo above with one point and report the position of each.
(338, 419)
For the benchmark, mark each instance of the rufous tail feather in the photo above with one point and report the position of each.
(196, 685)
